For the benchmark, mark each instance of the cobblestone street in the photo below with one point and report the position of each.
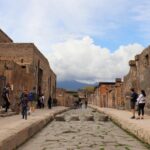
(83, 134)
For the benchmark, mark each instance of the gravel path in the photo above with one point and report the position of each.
(83, 135)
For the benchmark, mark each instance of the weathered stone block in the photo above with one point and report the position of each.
(60, 118)
(132, 63)
(103, 118)
(89, 118)
(137, 57)
(74, 118)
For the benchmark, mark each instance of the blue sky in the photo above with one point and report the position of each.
(62, 27)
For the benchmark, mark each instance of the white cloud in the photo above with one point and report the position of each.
(82, 60)
(65, 24)
(51, 21)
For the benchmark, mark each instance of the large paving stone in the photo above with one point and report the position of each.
(103, 117)
(74, 118)
(89, 118)
(60, 118)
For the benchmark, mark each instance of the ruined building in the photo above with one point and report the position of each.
(108, 94)
(139, 76)
(100, 97)
(115, 95)
(23, 66)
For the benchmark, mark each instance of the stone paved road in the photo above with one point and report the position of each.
(83, 135)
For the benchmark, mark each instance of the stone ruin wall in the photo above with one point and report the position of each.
(18, 79)
(139, 76)
(26, 54)
(49, 77)
(22, 54)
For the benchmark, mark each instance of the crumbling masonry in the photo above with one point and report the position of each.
(23, 66)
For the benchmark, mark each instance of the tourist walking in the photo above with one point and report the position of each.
(141, 103)
(86, 103)
(32, 96)
(80, 103)
(133, 99)
(6, 98)
(24, 104)
(42, 99)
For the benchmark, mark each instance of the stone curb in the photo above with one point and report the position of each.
(8, 115)
(19, 135)
(133, 128)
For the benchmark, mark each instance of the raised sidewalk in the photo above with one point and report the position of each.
(14, 130)
(139, 128)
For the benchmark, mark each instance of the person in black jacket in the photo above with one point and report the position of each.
(50, 102)
(133, 99)
(24, 104)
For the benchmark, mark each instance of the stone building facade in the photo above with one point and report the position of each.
(108, 94)
(100, 95)
(25, 67)
(115, 95)
(138, 76)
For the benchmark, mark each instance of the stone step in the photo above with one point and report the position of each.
(89, 118)
(60, 118)
(74, 118)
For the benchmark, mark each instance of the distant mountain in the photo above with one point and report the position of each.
(72, 85)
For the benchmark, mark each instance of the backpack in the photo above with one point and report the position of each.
(31, 96)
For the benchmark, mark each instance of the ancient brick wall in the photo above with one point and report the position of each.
(108, 94)
(48, 85)
(31, 68)
(111, 98)
(18, 78)
(22, 54)
(4, 38)
(60, 96)
(32, 60)
(138, 76)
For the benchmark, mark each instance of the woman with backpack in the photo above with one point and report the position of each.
(141, 104)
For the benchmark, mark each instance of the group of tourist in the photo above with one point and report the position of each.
(80, 102)
(27, 100)
(139, 101)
